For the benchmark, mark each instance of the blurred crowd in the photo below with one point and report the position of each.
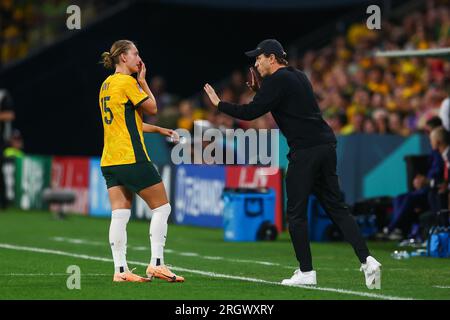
(357, 93)
(26, 25)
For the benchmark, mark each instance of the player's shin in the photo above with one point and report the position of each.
(158, 233)
(118, 238)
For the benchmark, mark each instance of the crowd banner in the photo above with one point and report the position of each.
(198, 195)
(32, 178)
(99, 204)
(71, 173)
(256, 177)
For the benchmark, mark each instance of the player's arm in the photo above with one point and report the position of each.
(149, 105)
(264, 101)
(149, 128)
(7, 112)
(7, 115)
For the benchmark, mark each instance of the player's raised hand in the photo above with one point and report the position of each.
(142, 72)
(211, 94)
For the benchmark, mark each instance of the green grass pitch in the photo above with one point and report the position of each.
(36, 250)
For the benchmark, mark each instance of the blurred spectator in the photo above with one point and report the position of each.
(158, 88)
(380, 117)
(360, 104)
(432, 124)
(188, 115)
(408, 207)
(356, 125)
(237, 83)
(14, 148)
(6, 117)
(444, 110)
(396, 125)
(369, 126)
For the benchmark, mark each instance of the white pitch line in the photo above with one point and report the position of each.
(79, 241)
(204, 273)
(213, 258)
(185, 254)
(442, 287)
(197, 255)
(50, 274)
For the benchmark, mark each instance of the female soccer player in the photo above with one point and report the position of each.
(125, 163)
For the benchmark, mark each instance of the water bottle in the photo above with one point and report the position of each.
(399, 255)
(419, 253)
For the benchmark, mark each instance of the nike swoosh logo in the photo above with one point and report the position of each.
(174, 278)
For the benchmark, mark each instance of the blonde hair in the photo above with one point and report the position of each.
(111, 58)
(439, 134)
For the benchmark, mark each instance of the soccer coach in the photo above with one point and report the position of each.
(287, 93)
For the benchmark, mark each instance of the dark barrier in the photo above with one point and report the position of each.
(371, 165)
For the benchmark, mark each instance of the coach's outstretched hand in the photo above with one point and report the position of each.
(211, 94)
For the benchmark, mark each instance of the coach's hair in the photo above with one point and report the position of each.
(280, 60)
(111, 58)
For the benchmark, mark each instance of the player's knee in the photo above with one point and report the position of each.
(123, 204)
(165, 209)
(168, 208)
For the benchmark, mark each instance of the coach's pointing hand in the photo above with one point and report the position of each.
(211, 94)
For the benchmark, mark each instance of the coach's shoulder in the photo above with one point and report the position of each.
(278, 75)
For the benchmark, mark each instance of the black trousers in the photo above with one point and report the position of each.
(313, 170)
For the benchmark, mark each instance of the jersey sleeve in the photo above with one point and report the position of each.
(134, 92)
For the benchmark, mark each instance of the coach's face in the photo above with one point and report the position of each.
(262, 64)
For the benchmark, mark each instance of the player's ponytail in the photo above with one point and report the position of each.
(111, 58)
(107, 61)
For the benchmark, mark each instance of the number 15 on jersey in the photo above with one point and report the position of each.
(108, 118)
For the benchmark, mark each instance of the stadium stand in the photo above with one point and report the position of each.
(28, 25)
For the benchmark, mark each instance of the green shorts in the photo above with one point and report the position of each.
(134, 177)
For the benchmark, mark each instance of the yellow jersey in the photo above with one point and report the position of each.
(119, 99)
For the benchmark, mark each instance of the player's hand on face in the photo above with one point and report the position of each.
(142, 72)
(211, 94)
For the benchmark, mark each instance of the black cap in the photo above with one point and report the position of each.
(268, 46)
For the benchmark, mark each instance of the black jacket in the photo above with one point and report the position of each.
(288, 95)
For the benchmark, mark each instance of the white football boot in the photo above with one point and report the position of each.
(301, 278)
(372, 272)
